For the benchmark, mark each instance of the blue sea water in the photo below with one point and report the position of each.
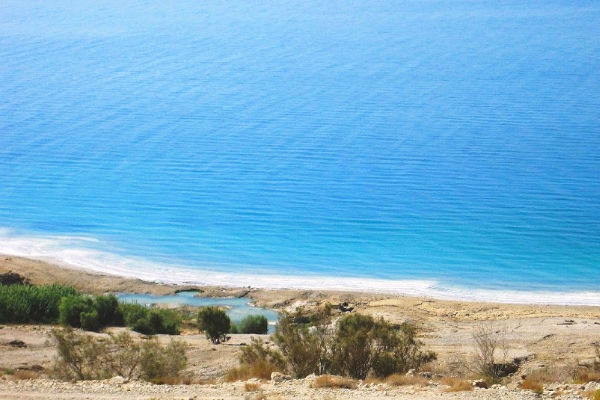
(455, 142)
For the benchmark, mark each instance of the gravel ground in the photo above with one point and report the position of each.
(294, 389)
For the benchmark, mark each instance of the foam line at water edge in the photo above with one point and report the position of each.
(72, 251)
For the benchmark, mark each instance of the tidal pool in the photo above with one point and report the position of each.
(236, 308)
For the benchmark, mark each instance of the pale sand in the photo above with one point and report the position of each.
(541, 332)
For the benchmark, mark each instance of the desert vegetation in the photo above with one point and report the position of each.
(333, 347)
(22, 303)
(150, 321)
(50, 304)
(83, 357)
(256, 324)
(214, 322)
(354, 346)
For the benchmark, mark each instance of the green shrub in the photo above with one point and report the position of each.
(71, 308)
(357, 345)
(170, 321)
(89, 321)
(363, 344)
(132, 312)
(399, 349)
(256, 324)
(63, 304)
(81, 357)
(109, 313)
(150, 321)
(32, 304)
(214, 322)
(304, 349)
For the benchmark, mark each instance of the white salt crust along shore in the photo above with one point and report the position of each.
(71, 251)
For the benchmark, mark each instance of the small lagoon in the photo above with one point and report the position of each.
(236, 308)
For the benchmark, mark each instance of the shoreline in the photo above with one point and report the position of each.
(75, 252)
(417, 307)
(542, 335)
(106, 264)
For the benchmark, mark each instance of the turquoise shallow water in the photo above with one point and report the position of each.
(237, 308)
(453, 142)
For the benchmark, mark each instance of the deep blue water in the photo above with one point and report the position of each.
(453, 141)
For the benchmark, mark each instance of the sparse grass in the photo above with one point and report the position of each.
(334, 382)
(203, 381)
(7, 371)
(456, 384)
(260, 369)
(550, 375)
(405, 380)
(532, 384)
(22, 374)
(251, 387)
(592, 394)
(583, 376)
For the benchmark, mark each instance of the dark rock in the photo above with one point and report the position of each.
(301, 319)
(12, 278)
(345, 307)
(567, 322)
(17, 343)
(34, 368)
(480, 383)
(506, 369)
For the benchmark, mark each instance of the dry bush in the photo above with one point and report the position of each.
(82, 357)
(591, 394)
(405, 380)
(489, 341)
(159, 362)
(456, 384)
(458, 365)
(23, 374)
(259, 369)
(533, 385)
(552, 374)
(334, 382)
(251, 387)
(585, 375)
(256, 361)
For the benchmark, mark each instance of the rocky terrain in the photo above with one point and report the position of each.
(556, 339)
